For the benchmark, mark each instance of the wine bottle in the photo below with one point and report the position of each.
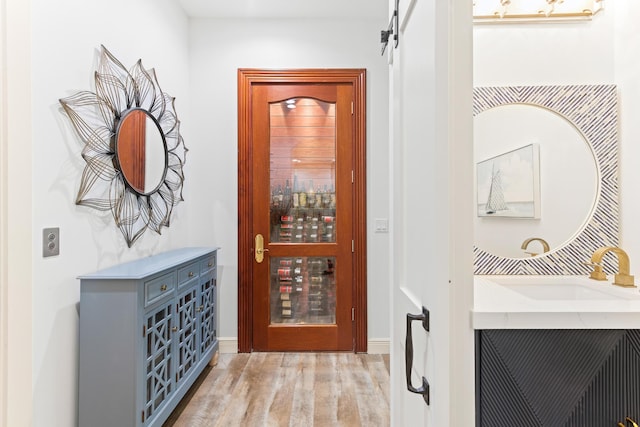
(332, 204)
(287, 194)
(311, 195)
(303, 197)
(275, 201)
(295, 198)
(326, 198)
(318, 197)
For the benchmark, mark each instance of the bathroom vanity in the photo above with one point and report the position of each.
(553, 348)
(147, 330)
(556, 351)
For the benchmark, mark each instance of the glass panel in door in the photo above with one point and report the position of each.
(302, 181)
(303, 290)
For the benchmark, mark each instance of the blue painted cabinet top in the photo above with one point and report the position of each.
(145, 267)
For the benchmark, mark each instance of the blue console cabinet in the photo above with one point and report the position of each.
(147, 330)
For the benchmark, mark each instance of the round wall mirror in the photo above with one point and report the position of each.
(533, 157)
(141, 151)
(574, 130)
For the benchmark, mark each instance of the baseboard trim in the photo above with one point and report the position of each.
(227, 345)
(378, 346)
(374, 346)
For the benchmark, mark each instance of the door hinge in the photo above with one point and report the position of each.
(353, 314)
(352, 108)
(144, 331)
(353, 246)
(353, 176)
(142, 416)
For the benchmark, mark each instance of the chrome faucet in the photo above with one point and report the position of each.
(622, 278)
(545, 245)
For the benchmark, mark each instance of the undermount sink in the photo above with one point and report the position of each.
(559, 288)
(564, 291)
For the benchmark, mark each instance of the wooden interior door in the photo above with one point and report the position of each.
(300, 235)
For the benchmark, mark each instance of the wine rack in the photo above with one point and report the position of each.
(303, 290)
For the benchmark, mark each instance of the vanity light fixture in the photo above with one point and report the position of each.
(517, 11)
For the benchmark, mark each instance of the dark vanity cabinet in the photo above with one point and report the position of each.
(557, 378)
(147, 330)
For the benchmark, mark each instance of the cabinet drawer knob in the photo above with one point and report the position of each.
(163, 288)
(174, 329)
(210, 264)
(191, 274)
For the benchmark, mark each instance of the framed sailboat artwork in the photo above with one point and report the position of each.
(508, 185)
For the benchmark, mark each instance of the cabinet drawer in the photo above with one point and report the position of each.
(157, 288)
(208, 263)
(187, 273)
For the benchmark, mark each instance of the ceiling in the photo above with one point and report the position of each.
(285, 8)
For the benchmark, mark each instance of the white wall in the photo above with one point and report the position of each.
(65, 37)
(627, 77)
(15, 218)
(600, 51)
(201, 74)
(218, 48)
(539, 54)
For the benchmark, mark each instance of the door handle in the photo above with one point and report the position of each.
(259, 248)
(408, 355)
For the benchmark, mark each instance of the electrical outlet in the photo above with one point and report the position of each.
(50, 242)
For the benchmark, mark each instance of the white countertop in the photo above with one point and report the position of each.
(553, 302)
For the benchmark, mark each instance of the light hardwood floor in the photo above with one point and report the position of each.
(289, 389)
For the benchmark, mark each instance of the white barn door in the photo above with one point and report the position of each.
(431, 192)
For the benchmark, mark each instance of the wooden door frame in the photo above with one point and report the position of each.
(246, 78)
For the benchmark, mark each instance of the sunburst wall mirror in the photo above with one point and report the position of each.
(133, 149)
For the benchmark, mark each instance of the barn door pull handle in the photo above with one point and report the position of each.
(408, 355)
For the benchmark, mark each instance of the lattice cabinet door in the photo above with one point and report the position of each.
(187, 329)
(208, 288)
(159, 385)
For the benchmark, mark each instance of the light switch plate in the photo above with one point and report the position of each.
(50, 241)
(382, 225)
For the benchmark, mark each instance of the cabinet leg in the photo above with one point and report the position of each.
(214, 359)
